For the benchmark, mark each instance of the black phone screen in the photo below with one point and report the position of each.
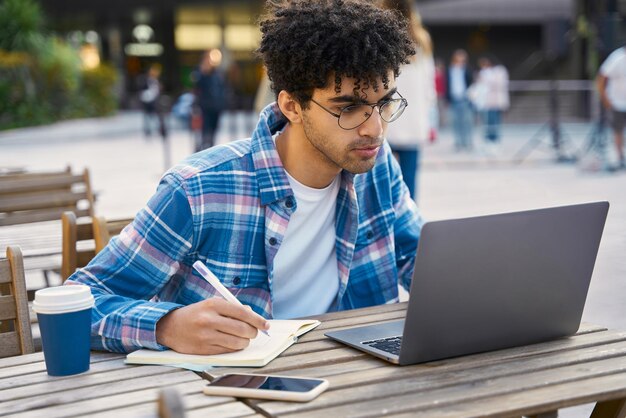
(286, 384)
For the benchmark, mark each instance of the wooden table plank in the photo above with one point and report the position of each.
(364, 364)
(119, 395)
(109, 388)
(36, 363)
(48, 398)
(416, 395)
(233, 409)
(523, 380)
(29, 380)
(204, 413)
(316, 341)
(360, 387)
(535, 401)
(19, 360)
(63, 384)
(145, 400)
(226, 411)
(346, 361)
(354, 313)
(355, 371)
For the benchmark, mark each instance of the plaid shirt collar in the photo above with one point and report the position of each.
(270, 172)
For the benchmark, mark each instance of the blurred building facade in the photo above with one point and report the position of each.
(133, 34)
(535, 39)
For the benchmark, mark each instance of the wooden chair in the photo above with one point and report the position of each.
(15, 332)
(35, 197)
(83, 239)
(103, 230)
(29, 201)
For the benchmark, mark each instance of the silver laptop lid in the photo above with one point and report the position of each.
(500, 281)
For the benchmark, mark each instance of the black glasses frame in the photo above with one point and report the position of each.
(403, 101)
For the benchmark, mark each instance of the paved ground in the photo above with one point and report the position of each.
(126, 167)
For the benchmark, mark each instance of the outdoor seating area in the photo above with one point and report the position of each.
(31, 204)
(48, 227)
(532, 381)
(313, 208)
(83, 239)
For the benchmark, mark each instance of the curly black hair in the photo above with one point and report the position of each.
(305, 42)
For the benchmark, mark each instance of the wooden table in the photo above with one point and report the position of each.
(536, 379)
(531, 380)
(109, 389)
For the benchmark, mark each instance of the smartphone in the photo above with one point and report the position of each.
(282, 388)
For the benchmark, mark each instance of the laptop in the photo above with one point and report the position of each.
(491, 282)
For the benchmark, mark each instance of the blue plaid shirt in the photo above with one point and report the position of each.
(229, 206)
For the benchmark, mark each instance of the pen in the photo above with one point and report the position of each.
(215, 282)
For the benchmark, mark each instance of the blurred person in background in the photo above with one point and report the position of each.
(493, 82)
(417, 84)
(149, 97)
(441, 89)
(210, 89)
(611, 84)
(458, 80)
(183, 109)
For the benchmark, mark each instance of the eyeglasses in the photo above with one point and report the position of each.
(355, 115)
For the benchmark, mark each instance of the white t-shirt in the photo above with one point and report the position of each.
(305, 277)
(614, 68)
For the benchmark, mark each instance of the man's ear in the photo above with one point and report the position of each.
(290, 107)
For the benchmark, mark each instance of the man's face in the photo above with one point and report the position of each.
(354, 150)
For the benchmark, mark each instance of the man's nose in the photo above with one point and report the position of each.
(373, 126)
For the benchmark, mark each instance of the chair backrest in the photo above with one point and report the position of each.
(76, 250)
(84, 238)
(103, 230)
(37, 197)
(15, 333)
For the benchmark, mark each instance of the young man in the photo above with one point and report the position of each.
(611, 82)
(310, 215)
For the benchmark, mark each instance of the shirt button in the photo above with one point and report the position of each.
(289, 202)
(237, 280)
(273, 241)
(369, 235)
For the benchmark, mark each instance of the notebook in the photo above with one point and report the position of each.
(262, 350)
(491, 282)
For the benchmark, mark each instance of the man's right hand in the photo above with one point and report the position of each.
(212, 326)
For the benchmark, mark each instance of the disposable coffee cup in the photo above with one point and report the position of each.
(64, 315)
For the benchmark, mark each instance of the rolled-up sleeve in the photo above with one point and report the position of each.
(134, 267)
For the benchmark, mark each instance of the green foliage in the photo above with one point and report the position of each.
(21, 24)
(41, 77)
(59, 75)
(19, 103)
(98, 88)
(96, 96)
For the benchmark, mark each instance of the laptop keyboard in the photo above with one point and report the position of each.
(390, 345)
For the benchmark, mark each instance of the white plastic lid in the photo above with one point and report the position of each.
(63, 299)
